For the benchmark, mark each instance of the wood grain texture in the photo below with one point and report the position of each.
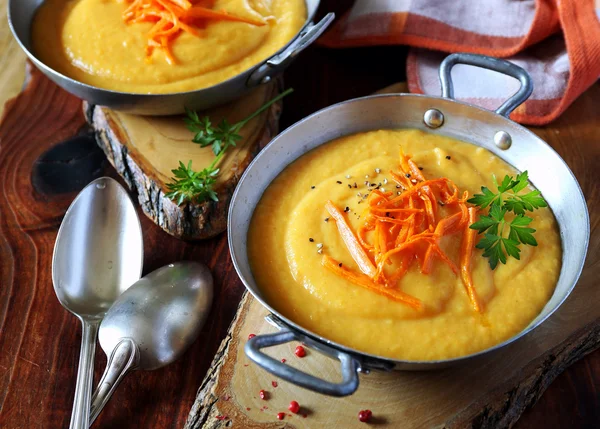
(144, 150)
(491, 393)
(39, 340)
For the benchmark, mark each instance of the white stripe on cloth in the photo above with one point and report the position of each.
(367, 7)
(479, 17)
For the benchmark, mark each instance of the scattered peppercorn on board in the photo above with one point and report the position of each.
(490, 393)
(144, 150)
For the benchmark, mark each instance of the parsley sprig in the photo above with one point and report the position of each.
(198, 186)
(223, 136)
(496, 245)
(190, 185)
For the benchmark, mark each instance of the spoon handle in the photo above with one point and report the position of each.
(124, 357)
(85, 376)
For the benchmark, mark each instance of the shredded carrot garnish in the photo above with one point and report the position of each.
(171, 18)
(405, 226)
(366, 282)
(466, 252)
(356, 251)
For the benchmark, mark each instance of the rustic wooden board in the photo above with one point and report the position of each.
(144, 150)
(489, 394)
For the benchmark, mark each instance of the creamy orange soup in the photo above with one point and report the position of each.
(88, 40)
(289, 223)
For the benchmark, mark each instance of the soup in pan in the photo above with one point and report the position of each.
(405, 245)
(161, 46)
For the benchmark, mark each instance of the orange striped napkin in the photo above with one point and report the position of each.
(556, 41)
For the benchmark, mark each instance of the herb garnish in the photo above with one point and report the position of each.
(495, 244)
(189, 185)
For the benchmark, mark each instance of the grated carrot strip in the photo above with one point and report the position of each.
(356, 251)
(361, 237)
(367, 283)
(174, 17)
(466, 252)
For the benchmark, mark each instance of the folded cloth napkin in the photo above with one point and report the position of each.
(556, 41)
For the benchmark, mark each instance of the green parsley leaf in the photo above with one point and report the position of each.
(483, 224)
(495, 245)
(528, 202)
(520, 232)
(511, 247)
(523, 180)
(483, 200)
(189, 185)
(492, 249)
(507, 183)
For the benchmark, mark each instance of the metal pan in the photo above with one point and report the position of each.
(20, 18)
(439, 115)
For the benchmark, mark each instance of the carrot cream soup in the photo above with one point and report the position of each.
(367, 241)
(166, 46)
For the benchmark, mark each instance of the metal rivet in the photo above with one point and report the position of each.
(266, 79)
(503, 140)
(433, 118)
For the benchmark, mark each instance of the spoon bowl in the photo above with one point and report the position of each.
(98, 254)
(152, 323)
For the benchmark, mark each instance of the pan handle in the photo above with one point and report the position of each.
(489, 63)
(350, 365)
(279, 62)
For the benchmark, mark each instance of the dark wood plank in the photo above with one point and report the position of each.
(571, 401)
(39, 340)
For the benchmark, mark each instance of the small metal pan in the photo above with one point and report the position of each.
(439, 115)
(20, 18)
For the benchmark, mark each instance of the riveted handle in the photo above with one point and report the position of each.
(349, 365)
(278, 62)
(489, 63)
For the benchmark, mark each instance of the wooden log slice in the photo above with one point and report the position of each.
(145, 149)
(489, 395)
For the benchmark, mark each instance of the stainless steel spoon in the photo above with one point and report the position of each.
(153, 323)
(98, 254)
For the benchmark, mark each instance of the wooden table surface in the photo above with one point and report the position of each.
(46, 157)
